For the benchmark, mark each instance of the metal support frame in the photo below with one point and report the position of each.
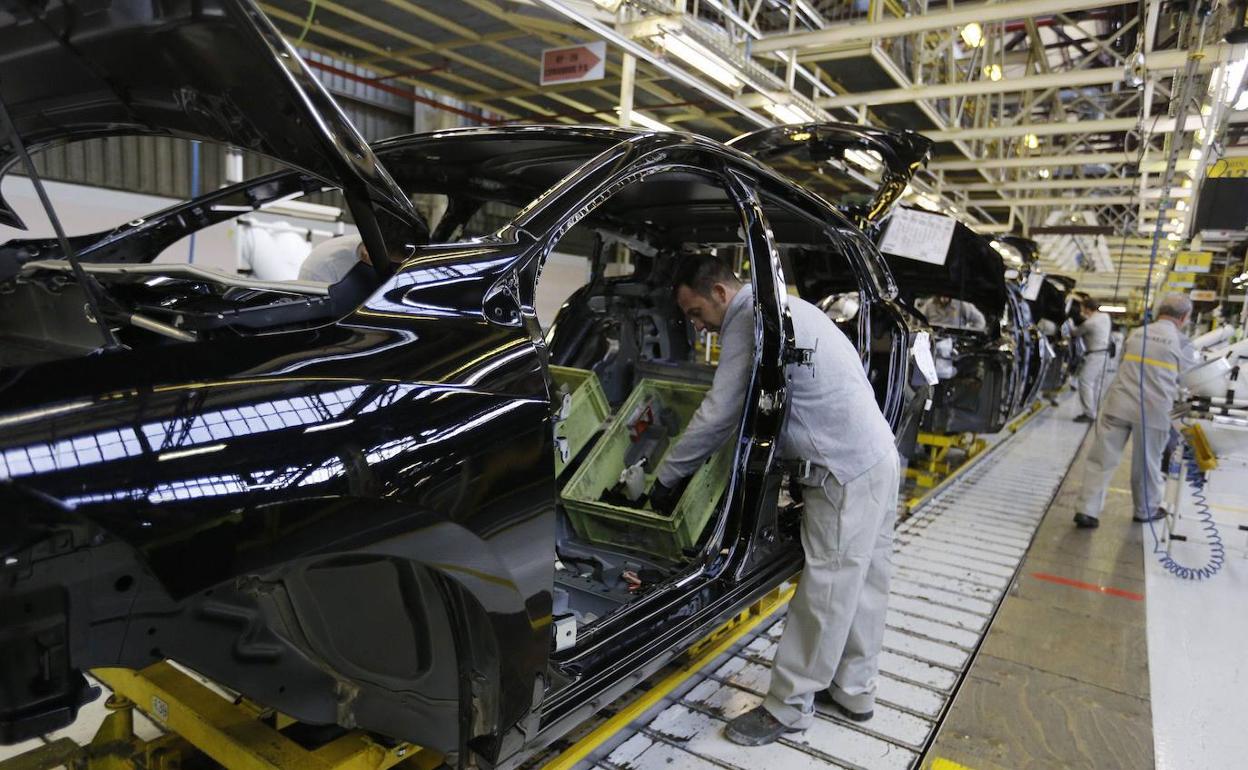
(234, 734)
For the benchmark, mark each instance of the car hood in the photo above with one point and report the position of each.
(215, 70)
(973, 271)
(903, 153)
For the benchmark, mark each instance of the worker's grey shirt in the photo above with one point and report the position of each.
(1158, 357)
(1095, 333)
(957, 314)
(833, 418)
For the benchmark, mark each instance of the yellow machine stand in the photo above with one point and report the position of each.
(932, 468)
(932, 465)
(199, 723)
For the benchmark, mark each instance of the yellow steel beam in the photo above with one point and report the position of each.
(448, 45)
(561, 34)
(458, 29)
(230, 734)
(277, 14)
(372, 23)
(720, 641)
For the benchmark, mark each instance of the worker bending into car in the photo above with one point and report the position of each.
(1137, 406)
(835, 627)
(951, 313)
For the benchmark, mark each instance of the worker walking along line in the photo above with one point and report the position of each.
(1154, 358)
(835, 626)
(1095, 331)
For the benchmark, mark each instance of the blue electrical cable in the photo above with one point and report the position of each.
(1195, 478)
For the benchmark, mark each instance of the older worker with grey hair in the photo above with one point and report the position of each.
(835, 628)
(1137, 406)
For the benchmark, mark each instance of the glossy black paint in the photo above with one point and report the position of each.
(996, 370)
(349, 518)
(211, 532)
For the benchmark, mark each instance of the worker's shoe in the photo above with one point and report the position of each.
(1083, 521)
(756, 727)
(1157, 515)
(824, 697)
(1084, 418)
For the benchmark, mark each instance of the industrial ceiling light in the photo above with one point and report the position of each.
(973, 35)
(1181, 205)
(786, 113)
(1113, 308)
(1045, 173)
(699, 57)
(1031, 140)
(866, 159)
(646, 121)
(993, 72)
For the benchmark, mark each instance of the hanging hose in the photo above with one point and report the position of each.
(1217, 551)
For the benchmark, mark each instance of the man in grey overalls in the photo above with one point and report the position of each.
(835, 625)
(1153, 358)
(1095, 331)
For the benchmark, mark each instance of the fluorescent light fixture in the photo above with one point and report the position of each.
(1031, 140)
(1181, 205)
(786, 113)
(1113, 308)
(929, 202)
(702, 59)
(993, 72)
(199, 450)
(329, 425)
(972, 34)
(645, 121)
(1045, 173)
(1195, 154)
(865, 159)
(1233, 76)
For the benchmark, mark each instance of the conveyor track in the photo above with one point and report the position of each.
(955, 558)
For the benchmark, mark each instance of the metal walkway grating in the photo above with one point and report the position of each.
(954, 560)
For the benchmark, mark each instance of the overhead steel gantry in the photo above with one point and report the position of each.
(1043, 110)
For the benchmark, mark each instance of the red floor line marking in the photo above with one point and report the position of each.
(1132, 595)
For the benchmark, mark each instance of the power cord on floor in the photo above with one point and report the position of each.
(1196, 479)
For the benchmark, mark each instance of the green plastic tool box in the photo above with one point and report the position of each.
(643, 529)
(580, 415)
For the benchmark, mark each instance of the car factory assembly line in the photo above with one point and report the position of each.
(347, 348)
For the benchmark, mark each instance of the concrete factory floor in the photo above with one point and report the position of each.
(1099, 658)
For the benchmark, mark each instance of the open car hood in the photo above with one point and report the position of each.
(215, 70)
(903, 153)
(973, 271)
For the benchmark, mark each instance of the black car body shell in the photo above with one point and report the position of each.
(326, 519)
(988, 386)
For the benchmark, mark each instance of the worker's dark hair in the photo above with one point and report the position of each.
(702, 271)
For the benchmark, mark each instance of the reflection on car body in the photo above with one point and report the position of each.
(341, 500)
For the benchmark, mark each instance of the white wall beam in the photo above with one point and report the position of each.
(1162, 60)
(982, 13)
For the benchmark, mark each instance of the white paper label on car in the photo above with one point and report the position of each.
(918, 235)
(921, 349)
(1032, 290)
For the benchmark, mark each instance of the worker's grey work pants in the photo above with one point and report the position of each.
(1147, 480)
(1093, 378)
(835, 624)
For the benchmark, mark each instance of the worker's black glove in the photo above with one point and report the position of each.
(663, 498)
